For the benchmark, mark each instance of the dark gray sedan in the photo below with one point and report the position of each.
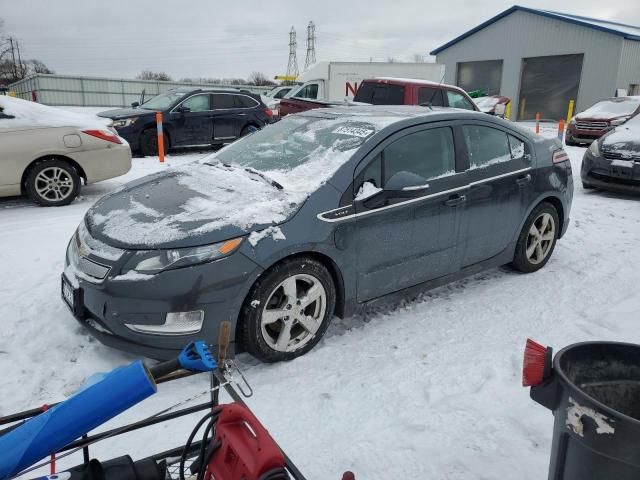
(613, 161)
(313, 217)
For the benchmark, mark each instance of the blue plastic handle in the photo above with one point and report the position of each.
(196, 357)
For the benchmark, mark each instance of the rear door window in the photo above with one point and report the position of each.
(430, 96)
(486, 146)
(380, 94)
(223, 101)
(456, 100)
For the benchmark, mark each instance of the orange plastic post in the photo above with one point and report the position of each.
(537, 123)
(561, 129)
(160, 136)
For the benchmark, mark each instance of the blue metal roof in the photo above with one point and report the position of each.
(630, 32)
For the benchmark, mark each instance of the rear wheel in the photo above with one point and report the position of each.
(288, 310)
(586, 186)
(53, 183)
(149, 143)
(537, 239)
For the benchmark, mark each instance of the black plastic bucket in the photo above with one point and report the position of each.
(594, 394)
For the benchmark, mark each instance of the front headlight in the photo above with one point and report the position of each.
(183, 257)
(125, 122)
(618, 121)
(594, 148)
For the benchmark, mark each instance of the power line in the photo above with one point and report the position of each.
(311, 46)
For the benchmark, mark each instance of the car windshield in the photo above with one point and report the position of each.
(298, 144)
(163, 101)
(613, 108)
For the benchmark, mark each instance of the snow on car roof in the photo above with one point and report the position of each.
(30, 114)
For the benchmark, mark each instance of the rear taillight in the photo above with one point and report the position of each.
(104, 135)
(536, 365)
(269, 112)
(560, 156)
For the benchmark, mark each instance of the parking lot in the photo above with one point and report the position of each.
(429, 388)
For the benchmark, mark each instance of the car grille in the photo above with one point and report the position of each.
(82, 246)
(593, 126)
(613, 155)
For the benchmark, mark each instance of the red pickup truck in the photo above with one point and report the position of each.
(391, 91)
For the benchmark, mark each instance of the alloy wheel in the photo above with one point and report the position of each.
(540, 238)
(54, 184)
(293, 313)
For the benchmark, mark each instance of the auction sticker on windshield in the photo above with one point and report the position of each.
(354, 131)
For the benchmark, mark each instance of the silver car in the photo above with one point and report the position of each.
(46, 152)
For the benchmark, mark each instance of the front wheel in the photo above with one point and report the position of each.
(149, 143)
(288, 310)
(537, 239)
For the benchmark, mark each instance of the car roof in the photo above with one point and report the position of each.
(413, 81)
(390, 112)
(207, 89)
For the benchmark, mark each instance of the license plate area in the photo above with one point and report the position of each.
(622, 169)
(70, 295)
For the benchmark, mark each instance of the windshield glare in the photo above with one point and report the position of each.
(163, 101)
(293, 141)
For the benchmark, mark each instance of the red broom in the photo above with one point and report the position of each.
(536, 366)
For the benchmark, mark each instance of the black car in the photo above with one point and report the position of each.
(191, 117)
(613, 161)
(313, 216)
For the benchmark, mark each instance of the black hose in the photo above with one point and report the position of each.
(183, 457)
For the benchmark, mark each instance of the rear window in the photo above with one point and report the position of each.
(380, 94)
(430, 96)
(244, 101)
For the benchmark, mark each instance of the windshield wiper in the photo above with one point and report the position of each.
(265, 178)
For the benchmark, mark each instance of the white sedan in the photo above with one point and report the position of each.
(46, 152)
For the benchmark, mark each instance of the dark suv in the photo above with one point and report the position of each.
(190, 117)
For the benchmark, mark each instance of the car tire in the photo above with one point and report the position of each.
(537, 239)
(248, 129)
(53, 183)
(586, 186)
(571, 143)
(275, 323)
(149, 143)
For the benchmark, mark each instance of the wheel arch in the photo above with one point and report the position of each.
(166, 129)
(325, 260)
(44, 158)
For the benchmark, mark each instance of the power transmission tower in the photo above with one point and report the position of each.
(292, 67)
(311, 45)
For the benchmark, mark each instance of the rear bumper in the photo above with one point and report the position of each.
(104, 163)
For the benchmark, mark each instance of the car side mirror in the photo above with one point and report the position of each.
(405, 184)
(135, 105)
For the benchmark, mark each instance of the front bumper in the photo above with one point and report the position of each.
(583, 136)
(105, 307)
(600, 172)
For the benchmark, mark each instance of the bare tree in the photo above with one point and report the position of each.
(149, 75)
(259, 79)
(391, 60)
(36, 66)
(419, 58)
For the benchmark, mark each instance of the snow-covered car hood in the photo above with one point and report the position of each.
(125, 113)
(624, 140)
(196, 204)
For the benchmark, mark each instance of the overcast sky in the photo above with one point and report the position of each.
(208, 38)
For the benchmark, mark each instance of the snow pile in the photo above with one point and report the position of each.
(273, 232)
(367, 190)
(31, 114)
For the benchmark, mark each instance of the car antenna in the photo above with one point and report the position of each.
(435, 90)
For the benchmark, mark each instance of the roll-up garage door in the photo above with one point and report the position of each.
(547, 84)
(484, 75)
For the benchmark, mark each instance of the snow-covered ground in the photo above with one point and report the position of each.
(426, 389)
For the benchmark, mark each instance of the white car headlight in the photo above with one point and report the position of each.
(125, 122)
(618, 121)
(183, 257)
(594, 148)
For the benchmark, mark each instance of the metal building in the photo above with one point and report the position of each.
(542, 60)
(98, 91)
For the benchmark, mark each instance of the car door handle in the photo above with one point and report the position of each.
(455, 200)
(242, 114)
(522, 181)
